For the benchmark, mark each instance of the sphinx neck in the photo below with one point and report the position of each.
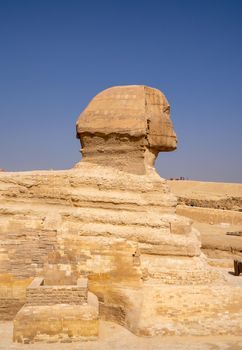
(123, 152)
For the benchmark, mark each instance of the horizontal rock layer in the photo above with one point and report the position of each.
(117, 228)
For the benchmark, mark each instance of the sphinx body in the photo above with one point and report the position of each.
(112, 218)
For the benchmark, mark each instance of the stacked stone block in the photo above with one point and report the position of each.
(56, 313)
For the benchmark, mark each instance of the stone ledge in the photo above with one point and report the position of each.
(207, 215)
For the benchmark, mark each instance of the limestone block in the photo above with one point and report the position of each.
(208, 215)
(38, 293)
(59, 322)
(12, 295)
(190, 310)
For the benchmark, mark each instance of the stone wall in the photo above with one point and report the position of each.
(56, 323)
(211, 216)
(12, 295)
(23, 254)
(57, 313)
(231, 203)
(40, 294)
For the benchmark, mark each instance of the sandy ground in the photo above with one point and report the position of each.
(206, 190)
(114, 337)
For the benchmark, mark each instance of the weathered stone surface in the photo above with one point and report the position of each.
(59, 322)
(212, 216)
(191, 310)
(39, 293)
(57, 313)
(112, 218)
(131, 124)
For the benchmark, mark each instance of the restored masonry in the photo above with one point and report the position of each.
(40, 294)
(57, 313)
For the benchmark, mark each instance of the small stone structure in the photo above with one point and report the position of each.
(57, 313)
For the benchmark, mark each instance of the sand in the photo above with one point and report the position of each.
(115, 337)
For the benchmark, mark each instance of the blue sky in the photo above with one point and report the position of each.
(56, 55)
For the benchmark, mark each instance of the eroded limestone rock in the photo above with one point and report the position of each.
(112, 218)
(128, 124)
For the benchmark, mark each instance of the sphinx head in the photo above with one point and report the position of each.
(126, 127)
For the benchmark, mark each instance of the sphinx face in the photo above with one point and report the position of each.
(160, 133)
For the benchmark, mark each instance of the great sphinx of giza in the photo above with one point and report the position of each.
(112, 218)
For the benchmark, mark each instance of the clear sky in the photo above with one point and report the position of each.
(55, 55)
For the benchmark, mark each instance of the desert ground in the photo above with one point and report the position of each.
(115, 337)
